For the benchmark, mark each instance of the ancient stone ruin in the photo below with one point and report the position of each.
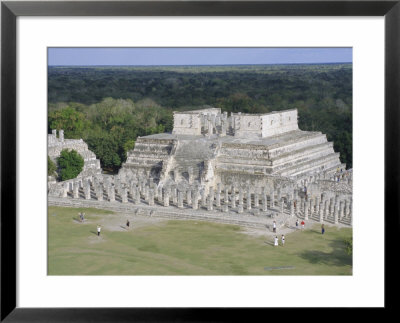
(56, 145)
(248, 169)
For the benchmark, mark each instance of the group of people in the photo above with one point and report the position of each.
(282, 240)
(297, 226)
(302, 224)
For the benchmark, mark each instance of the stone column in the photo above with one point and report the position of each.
(210, 203)
(233, 199)
(87, 191)
(282, 202)
(180, 199)
(99, 193)
(195, 201)
(226, 195)
(76, 190)
(296, 206)
(264, 203)
(272, 200)
(218, 198)
(189, 197)
(326, 209)
(191, 176)
(160, 198)
(137, 195)
(124, 195)
(175, 196)
(317, 205)
(336, 213)
(151, 197)
(341, 210)
(166, 197)
(111, 196)
(203, 199)
(310, 206)
(65, 190)
(256, 199)
(291, 208)
(211, 193)
(225, 208)
(248, 199)
(305, 211)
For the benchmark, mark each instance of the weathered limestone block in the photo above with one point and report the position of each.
(189, 197)
(240, 208)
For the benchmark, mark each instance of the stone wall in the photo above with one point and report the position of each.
(279, 122)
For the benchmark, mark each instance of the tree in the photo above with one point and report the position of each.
(70, 164)
(68, 119)
(51, 167)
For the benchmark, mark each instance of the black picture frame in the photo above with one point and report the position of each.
(10, 10)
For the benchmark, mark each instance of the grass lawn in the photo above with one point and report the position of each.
(185, 248)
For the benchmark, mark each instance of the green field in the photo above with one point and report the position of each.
(185, 248)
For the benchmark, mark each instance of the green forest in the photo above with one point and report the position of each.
(110, 106)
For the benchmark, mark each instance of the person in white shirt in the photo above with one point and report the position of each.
(274, 226)
(283, 240)
(98, 230)
(275, 241)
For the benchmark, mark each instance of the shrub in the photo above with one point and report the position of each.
(70, 164)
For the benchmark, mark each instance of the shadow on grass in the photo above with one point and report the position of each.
(337, 257)
(94, 232)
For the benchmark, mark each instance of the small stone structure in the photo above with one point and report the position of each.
(56, 145)
(239, 169)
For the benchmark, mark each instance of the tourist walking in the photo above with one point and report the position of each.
(80, 217)
(127, 224)
(276, 241)
(322, 229)
(274, 227)
(283, 240)
(98, 230)
(303, 224)
(297, 223)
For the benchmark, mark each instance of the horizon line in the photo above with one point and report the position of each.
(151, 65)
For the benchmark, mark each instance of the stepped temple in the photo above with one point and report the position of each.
(207, 147)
